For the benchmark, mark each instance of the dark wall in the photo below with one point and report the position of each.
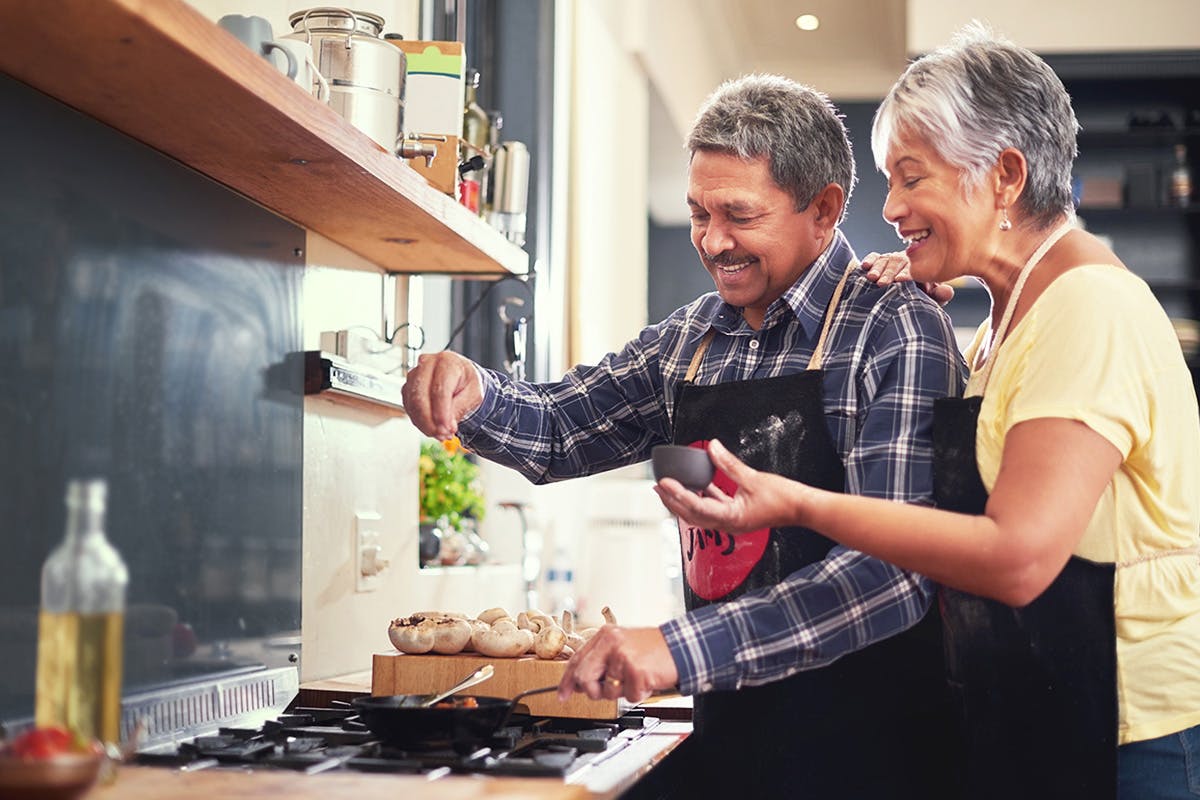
(142, 310)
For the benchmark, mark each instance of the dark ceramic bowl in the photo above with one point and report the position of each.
(62, 777)
(690, 466)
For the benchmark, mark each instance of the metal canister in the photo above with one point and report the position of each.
(510, 191)
(365, 73)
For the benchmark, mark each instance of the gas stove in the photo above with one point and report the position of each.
(314, 740)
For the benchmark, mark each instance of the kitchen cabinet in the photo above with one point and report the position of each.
(1135, 111)
(165, 75)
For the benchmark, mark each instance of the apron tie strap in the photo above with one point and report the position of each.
(818, 352)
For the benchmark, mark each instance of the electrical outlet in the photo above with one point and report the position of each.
(368, 551)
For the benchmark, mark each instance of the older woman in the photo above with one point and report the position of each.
(1068, 478)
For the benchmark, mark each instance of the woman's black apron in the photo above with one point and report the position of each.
(875, 723)
(1036, 686)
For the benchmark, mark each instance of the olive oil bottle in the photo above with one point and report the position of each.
(81, 623)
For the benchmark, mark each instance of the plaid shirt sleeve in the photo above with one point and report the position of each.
(596, 418)
(848, 600)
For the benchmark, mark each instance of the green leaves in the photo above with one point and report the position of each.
(449, 483)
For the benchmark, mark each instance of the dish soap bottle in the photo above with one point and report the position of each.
(81, 623)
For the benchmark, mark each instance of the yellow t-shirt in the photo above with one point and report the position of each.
(1097, 347)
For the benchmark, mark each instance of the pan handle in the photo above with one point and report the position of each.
(513, 703)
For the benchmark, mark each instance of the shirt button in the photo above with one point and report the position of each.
(754, 344)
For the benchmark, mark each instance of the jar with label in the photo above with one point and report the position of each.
(81, 623)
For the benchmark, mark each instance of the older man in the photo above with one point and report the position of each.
(817, 669)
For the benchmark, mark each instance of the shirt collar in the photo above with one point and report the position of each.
(807, 298)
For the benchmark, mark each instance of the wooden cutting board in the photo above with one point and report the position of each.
(405, 673)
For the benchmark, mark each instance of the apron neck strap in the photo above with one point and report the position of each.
(698, 356)
(979, 382)
(818, 351)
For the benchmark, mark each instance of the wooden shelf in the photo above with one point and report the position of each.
(164, 74)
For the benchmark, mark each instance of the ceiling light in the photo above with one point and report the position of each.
(808, 22)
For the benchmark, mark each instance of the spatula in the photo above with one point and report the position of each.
(478, 676)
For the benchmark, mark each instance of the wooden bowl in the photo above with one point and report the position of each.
(62, 777)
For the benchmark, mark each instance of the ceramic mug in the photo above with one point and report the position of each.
(256, 33)
(307, 74)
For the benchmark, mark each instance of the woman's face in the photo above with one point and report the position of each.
(947, 230)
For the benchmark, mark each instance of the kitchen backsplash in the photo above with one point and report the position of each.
(145, 316)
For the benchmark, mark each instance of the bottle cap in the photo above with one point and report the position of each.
(89, 493)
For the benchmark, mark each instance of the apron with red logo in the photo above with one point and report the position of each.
(874, 723)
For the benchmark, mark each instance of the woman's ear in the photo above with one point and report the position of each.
(1011, 172)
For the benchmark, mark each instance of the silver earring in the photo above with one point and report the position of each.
(1006, 223)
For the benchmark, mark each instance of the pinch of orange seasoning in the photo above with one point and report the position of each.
(452, 445)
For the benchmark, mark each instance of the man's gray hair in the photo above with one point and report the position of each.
(794, 126)
(977, 96)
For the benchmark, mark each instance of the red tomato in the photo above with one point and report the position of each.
(42, 743)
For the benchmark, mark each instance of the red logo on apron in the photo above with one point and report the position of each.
(715, 562)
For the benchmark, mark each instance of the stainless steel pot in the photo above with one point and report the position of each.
(365, 73)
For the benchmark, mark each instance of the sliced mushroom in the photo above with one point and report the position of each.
(451, 635)
(609, 617)
(412, 634)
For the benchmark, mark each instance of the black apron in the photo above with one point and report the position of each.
(1036, 686)
(876, 723)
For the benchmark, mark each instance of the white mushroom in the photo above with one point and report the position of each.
(440, 614)
(451, 635)
(609, 617)
(574, 641)
(534, 620)
(549, 642)
(412, 634)
(492, 614)
(504, 640)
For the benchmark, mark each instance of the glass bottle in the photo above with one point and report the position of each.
(473, 154)
(476, 127)
(1181, 178)
(81, 622)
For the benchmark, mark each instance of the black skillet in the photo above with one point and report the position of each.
(398, 722)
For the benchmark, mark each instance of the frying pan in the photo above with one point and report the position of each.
(396, 720)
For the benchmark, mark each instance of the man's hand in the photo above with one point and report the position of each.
(893, 268)
(438, 392)
(620, 662)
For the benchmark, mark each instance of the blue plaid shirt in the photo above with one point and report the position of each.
(890, 353)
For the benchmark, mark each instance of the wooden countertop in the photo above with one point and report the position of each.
(154, 783)
(164, 74)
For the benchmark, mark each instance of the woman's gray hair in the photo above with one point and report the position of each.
(796, 127)
(976, 97)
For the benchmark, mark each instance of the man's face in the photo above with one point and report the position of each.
(749, 235)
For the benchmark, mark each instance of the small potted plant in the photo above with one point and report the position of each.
(450, 495)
